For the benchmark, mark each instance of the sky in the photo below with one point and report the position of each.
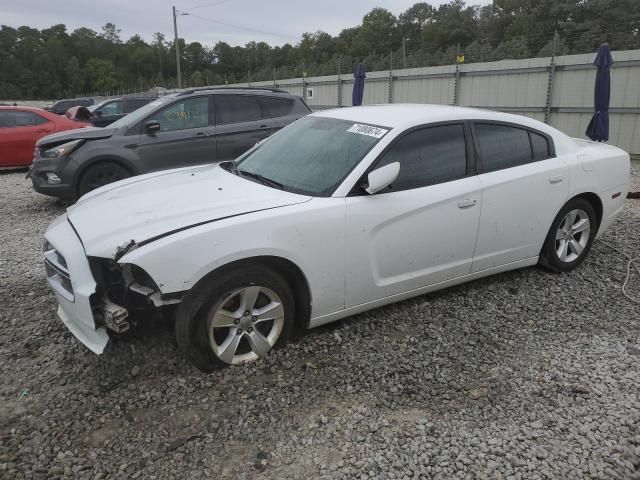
(273, 21)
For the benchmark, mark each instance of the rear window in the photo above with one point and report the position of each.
(277, 107)
(237, 108)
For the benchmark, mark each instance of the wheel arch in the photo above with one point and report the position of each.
(292, 274)
(596, 203)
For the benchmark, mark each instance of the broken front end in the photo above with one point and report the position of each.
(95, 295)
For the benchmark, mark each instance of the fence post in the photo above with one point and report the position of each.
(304, 84)
(456, 84)
(390, 83)
(552, 71)
(339, 83)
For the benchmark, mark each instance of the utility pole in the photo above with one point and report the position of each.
(404, 52)
(177, 47)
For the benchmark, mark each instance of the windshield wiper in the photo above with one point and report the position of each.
(261, 178)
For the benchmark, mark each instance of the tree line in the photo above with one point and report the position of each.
(53, 63)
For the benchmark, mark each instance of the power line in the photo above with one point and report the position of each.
(249, 29)
(206, 5)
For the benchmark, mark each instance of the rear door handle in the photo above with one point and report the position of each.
(43, 130)
(264, 127)
(556, 179)
(201, 134)
(467, 202)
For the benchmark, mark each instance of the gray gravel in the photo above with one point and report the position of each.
(525, 375)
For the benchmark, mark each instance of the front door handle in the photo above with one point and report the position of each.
(264, 127)
(201, 134)
(467, 202)
(556, 179)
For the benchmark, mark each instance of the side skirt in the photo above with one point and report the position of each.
(347, 312)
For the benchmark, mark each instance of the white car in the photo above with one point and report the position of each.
(340, 212)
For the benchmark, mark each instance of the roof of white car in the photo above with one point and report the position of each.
(407, 115)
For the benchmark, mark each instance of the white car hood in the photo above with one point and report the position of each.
(142, 208)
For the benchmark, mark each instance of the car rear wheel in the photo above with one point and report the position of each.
(570, 237)
(235, 317)
(101, 174)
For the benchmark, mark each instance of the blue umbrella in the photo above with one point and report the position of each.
(358, 85)
(598, 129)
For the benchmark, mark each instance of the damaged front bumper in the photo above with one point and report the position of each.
(69, 275)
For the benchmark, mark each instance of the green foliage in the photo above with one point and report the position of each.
(53, 63)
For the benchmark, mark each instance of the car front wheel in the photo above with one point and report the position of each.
(101, 174)
(570, 237)
(234, 318)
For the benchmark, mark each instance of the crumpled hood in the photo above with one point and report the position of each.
(90, 133)
(153, 205)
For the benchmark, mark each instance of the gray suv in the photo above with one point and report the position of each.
(192, 127)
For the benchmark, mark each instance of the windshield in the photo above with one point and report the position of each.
(140, 113)
(312, 155)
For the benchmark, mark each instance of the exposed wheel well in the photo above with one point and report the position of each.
(291, 273)
(595, 202)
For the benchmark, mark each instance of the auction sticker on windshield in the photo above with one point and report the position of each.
(375, 132)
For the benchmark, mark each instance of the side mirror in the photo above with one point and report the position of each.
(382, 177)
(98, 113)
(152, 126)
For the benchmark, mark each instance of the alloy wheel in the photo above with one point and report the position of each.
(572, 235)
(245, 324)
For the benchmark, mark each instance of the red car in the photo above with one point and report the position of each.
(20, 127)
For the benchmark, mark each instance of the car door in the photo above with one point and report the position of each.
(19, 131)
(422, 230)
(524, 185)
(240, 124)
(185, 136)
(108, 113)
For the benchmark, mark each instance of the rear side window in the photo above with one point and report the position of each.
(277, 107)
(113, 108)
(20, 119)
(540, 146)
(502, 146)
(135, 104)
(237, 108)
(428, 156)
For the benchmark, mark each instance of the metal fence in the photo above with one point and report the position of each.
(556, 90)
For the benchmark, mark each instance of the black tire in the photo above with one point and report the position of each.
(101, 174)
(549, 257)
(193, 312)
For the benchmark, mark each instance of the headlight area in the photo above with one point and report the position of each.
(122, 293)
(61, 150)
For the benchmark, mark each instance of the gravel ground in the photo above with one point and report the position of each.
(524, 375)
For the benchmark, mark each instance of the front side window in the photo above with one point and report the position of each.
(237, 108)
(183, 114)
(428, 156)
(312, 155)
(502, 146)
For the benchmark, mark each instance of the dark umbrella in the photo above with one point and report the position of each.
(358, 85)
(598, 129)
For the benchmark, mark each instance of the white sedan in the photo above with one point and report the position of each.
(340, 212)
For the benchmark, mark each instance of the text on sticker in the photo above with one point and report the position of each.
(367, 130)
